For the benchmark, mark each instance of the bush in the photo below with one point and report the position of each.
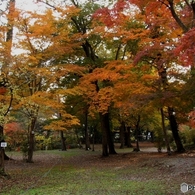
(43, 143)
(24, 149)
(187, 134)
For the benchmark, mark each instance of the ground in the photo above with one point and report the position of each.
(146, 165)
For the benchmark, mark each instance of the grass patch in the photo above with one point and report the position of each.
(92, 181)
(59, 176)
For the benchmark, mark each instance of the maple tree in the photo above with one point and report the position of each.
(45, 42)
(155, 49)
(128, 90)
(157, 40)
(81, 23)
(6, 38)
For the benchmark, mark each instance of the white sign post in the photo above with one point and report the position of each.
(3, 144)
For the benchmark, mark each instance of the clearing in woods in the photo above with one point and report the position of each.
(81, 172)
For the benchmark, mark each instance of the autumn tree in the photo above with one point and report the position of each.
(184, 13)
(155, 49)
(37, 70)
(89, 56)
(121, 31)
(6, 38)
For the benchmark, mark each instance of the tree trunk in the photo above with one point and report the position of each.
(87, 142)
(110, 142)
(164, 131)
(109, 134)
(128, 138)
(122, 131)
(93, 138)
(2, 165)
(3, 156)
(162, 71)
(9, 36)
(137, 149)
(30, 147)
(4, 68)
(31, 140)
(175, 131)
(103, 119)
(63, 141)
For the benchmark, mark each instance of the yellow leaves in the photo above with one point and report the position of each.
(57, 125)
(38, 100)
(102, 74)
(110, 72)
(103, 99)
(65, 122)
(33, 60)
(176, 33)
(149, 77)
(65, 69)
(66, 92)
(67, 12)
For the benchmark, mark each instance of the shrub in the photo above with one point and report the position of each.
(187, 134)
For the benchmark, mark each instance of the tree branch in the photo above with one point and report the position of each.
(10, 103)
(175, 16)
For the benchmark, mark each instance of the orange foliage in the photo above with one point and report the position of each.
(14, 133)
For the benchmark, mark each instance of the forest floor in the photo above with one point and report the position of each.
(81, 172)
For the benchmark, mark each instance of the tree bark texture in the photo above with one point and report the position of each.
(175, 131)
(137, 149)
(109, 134)
(103, 119)
(164, 131)
(2, 165)
(87, 142)
(122, 132)
(63, 141)
(30, 147)
(31, 140)
(128, 137)
(110, 141)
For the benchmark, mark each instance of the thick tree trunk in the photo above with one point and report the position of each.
(63, 141)
(31, 140)
(2, 154)
(165, 132)
(109, 134)
(93, 141)
(175, 131)
(110, 141)
(128, 138)
(6, 157)
(137, 149)
(2, 165)
(30, 147)
(122, 132)
(103, 119)
(87, 142)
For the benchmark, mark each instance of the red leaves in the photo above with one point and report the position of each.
(186, 49)
(104, 16)
(2, 90)
(12, 127)
(114, 16)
